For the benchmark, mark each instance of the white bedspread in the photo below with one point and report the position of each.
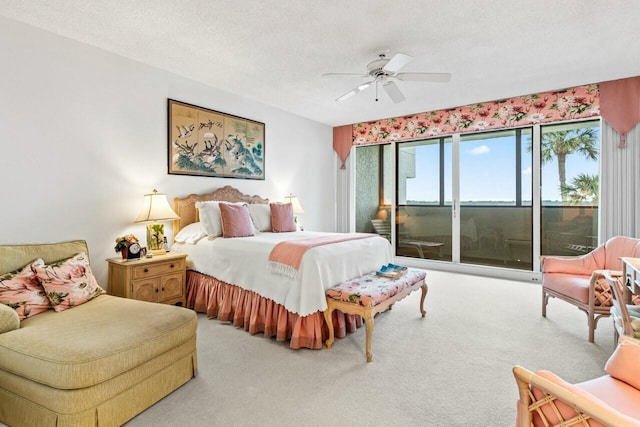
(244, 262)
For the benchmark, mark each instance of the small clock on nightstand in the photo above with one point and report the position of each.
(134, 250)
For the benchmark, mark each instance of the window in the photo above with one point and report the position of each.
(424, 199)
(569, 154)
(491, 220)
(495, 199)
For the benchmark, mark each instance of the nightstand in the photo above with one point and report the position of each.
(159, 279)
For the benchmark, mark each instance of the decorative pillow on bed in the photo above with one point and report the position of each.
(261, 216)
(210, 219)
(22, 291)
(191, 234)
(68, 283)
(236, 221)
(282, 217)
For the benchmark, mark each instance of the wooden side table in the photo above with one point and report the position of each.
(631, 274)
(159, 279)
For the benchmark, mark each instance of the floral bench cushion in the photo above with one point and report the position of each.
(370, 290)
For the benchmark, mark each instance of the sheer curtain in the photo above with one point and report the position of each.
(619, 184)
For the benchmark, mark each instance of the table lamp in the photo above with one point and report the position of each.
(297, 208)
(156, 208)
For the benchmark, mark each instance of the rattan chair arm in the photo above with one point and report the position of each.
(624, 338)
(602, 273)
(602, 412)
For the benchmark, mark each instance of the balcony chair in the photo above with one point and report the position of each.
(626, 318)
(579, 280)
(610, 400)
(383, 228)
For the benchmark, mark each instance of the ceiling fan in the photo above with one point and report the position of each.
(383, 71)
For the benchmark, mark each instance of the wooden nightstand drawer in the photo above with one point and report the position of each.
(158, 269)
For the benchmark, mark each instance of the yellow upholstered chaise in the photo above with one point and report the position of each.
(97, 364)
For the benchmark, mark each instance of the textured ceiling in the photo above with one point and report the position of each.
(275, 51)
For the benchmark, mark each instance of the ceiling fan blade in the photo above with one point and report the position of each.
(424, 77)
(397, 63)
(393, 91)
(346, 74)
(355, 90)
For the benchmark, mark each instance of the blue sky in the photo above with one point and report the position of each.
(488, 171)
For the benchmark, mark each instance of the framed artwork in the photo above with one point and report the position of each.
(210, 143)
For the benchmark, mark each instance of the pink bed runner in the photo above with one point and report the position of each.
(285, 257)
(255, 313)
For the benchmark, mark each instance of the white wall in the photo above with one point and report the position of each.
(84, 136)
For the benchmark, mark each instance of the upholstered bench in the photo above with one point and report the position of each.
(369, 295)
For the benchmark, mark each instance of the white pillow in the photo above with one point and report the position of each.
(261, 216)
(210, 218)
(191, 234)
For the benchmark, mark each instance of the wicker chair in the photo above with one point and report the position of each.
(626, 318)
(609, 400)
(580, 280)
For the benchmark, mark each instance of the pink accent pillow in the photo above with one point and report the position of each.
(236, 221)
(68, 283)
(282, 217)
(22, 291)
(624, 363)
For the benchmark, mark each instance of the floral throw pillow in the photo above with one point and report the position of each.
(68, 283)
(22, 291)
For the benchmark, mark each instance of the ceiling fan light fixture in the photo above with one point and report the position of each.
(384, 71)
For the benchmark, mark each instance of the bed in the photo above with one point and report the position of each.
(230, 279)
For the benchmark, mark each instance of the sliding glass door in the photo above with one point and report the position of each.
(496, 220)
(424, 202)
(469, 198)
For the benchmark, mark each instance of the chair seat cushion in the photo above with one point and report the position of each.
(93, 342)
(615, 393)
(370, 289)
(571, 285)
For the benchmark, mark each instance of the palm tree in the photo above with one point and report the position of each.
(561, 143)
(583, 189)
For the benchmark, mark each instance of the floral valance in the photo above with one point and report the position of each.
(557, 106)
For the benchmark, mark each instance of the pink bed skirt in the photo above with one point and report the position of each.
(256, 313)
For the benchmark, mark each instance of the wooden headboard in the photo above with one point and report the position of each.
(186, 209)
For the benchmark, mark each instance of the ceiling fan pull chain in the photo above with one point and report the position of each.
(376, 90)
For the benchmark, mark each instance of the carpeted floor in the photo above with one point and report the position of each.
(452, 368)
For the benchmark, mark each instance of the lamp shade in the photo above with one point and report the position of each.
(156, 208)
(295, 203)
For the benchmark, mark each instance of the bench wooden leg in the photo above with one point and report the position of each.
(328, 318)
(368, 321)
(425, 289)
(368, 313)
